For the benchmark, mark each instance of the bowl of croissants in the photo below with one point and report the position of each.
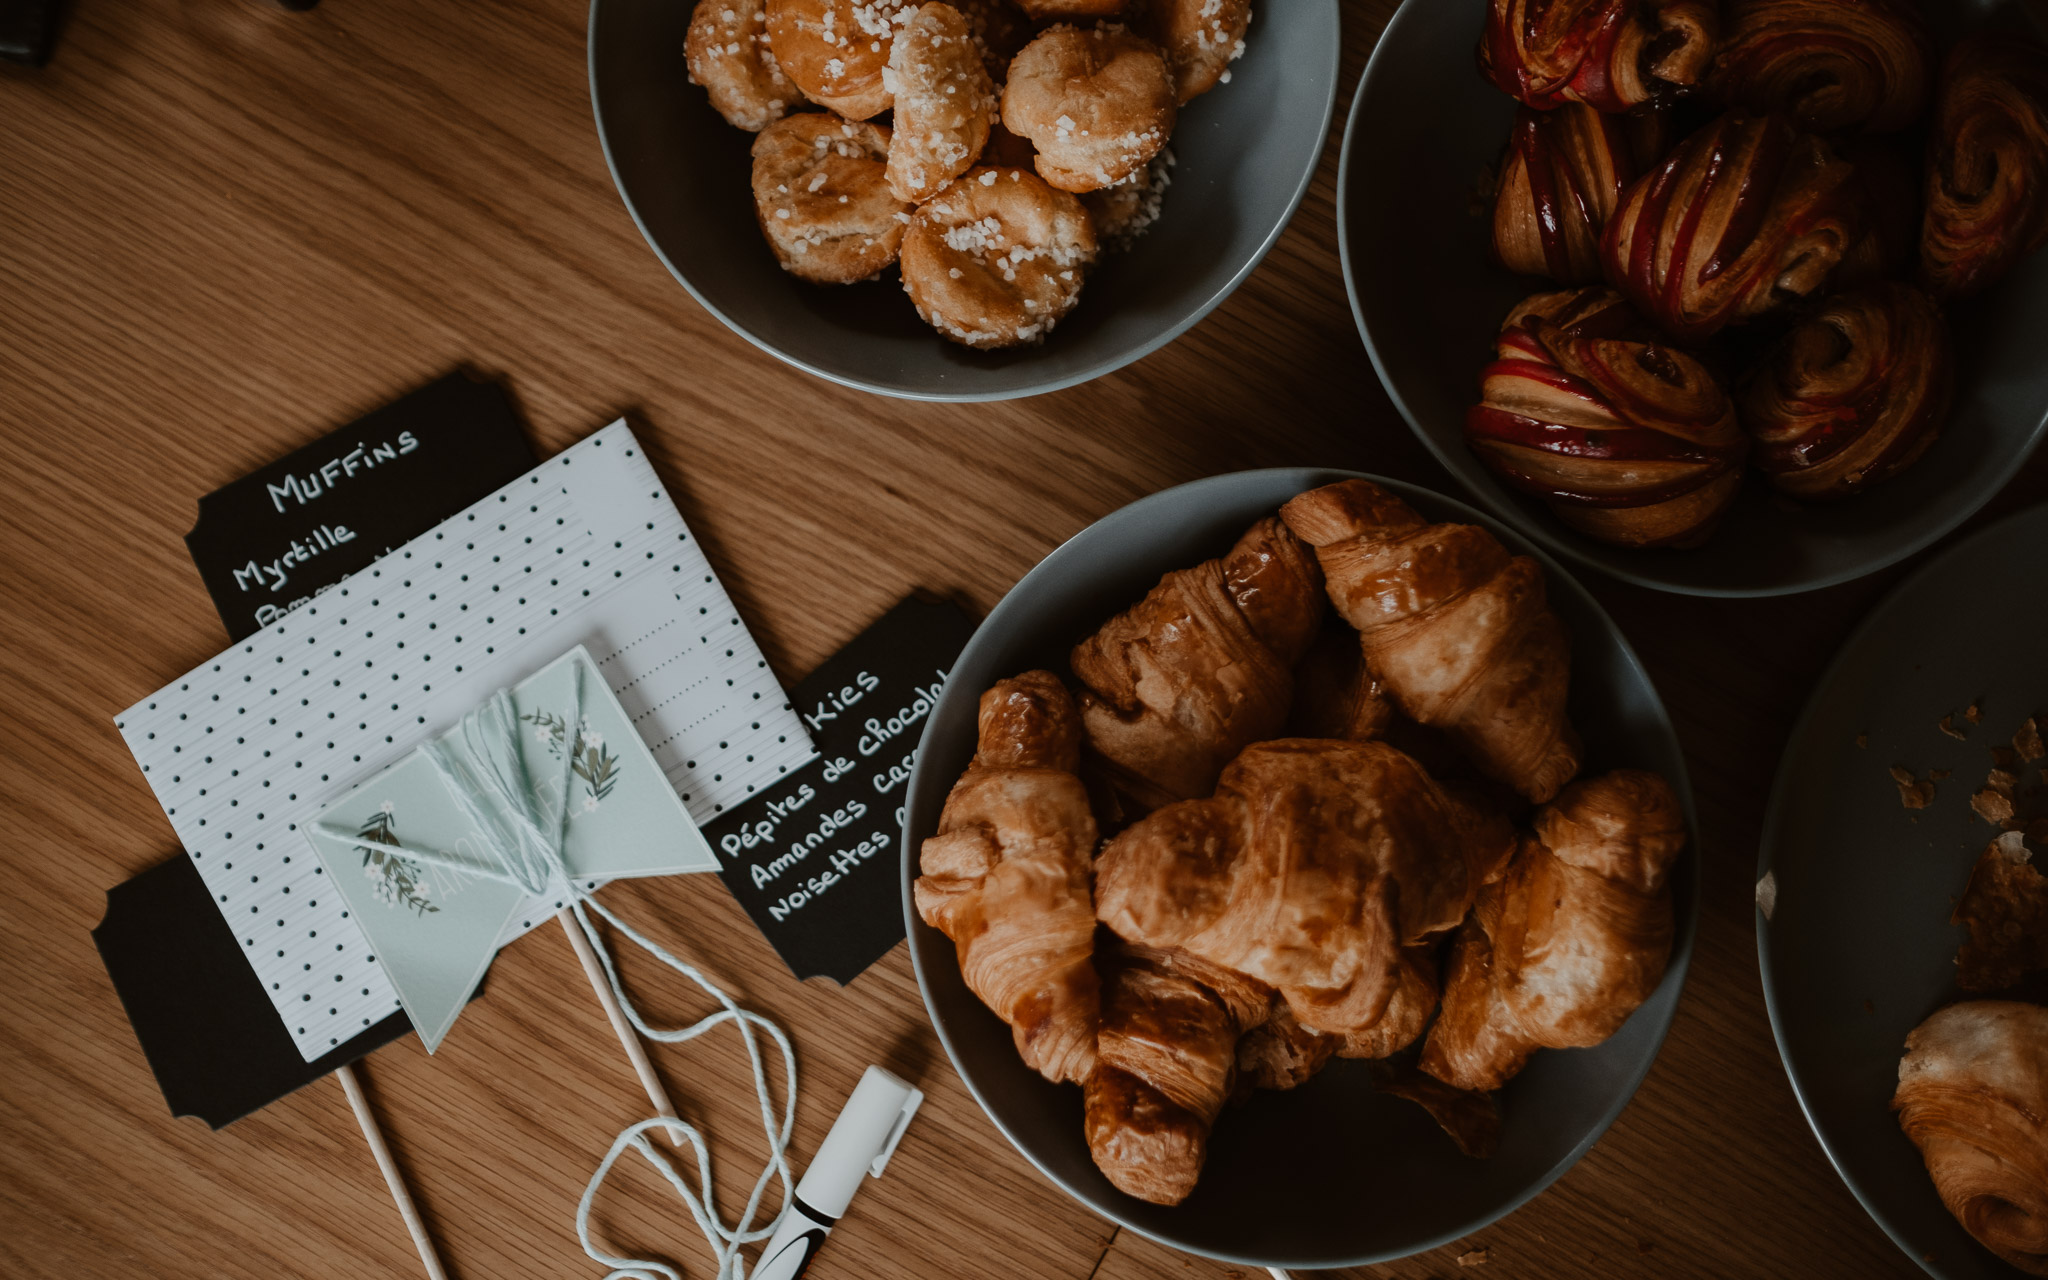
(962, 199)
(1729, 297)
(1299, 868)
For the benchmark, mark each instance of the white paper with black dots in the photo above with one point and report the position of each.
(585, 549)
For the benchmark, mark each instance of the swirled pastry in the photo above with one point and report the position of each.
(1973, 1096)
(1202, 667)
(822, 197)
(1309, 870)
(1828, 64)
(727, 53)
(1563, 173)
(1455, 627)
(1201, 38)
(1987, 171)
(996, 259)
(1007, 876)
(836, 50)
(1097, 102)
(1611, 55)
(1743, 215)
(1853, 395)
(1627, 439)
(944, 102)
(1565, 947)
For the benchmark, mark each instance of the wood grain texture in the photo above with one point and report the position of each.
(225, 228)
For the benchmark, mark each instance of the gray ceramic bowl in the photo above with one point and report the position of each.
(1424, 129)
(1859, 950)
(1331, 1174)
(1246, 151)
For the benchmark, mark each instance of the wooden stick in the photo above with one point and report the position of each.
(629, 1039)
(392, 1177)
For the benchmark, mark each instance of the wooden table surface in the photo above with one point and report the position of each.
(225, 228)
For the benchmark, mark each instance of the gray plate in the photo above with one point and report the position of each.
(1428, 303)
(1246, 152)
(1331, 1174)
(1864, 891)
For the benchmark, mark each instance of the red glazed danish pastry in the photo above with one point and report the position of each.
(1609, 54)
(1852, 396)
(1987, 171)
(1829, 64)
(1627, 440)
(1563, 174)
(1745, 214)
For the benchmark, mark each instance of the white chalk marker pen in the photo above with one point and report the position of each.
(862, 1140)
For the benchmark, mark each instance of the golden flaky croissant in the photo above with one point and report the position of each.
(1571, 940)
(1007, 875)
(1201, 667)
(1973, 1096)
(1166, 1062)
(1309, 870)
(1987, 165)
(1455, 626)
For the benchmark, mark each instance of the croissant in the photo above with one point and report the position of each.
(1201, 667)
(1563, 173)
(1280, 1053)
(1310, 868)
(1456, 628)
(1166, 1061)
(1853, 395)
(1626, 438)
(1973, 1096)
(1414, 1000)
(1609, 54)
(1987, 165)
(1335, 694)
(1006, 877)
(1829, 64)
(1563, 949)
(1743, 215)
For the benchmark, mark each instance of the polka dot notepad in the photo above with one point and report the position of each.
(585, 549)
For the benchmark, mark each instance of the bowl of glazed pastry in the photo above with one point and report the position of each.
(962, 201)
(1727, 297)
(1221, 853)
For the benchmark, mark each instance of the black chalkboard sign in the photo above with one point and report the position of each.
(268, 542)
(205, 1023)
(814, 860)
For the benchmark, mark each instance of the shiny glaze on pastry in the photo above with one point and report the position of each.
(1744, 215)
(1097, 102)
(726, 51)
(836, 50)
(1611, 55)
(1828, 64)
(997, 258)
(1562, 175)
(1628, 439)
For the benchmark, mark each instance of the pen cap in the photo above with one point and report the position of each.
(862, 1139)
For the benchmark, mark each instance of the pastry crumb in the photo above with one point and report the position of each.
(1475, 1258)
(1974, 713)
(1913, 793)
(2027, 742)
(1863, 739)
(1992, 806)
(1948, 726)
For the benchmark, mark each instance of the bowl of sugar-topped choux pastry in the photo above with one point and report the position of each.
(962, 199)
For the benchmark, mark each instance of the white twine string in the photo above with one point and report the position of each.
(486, 773)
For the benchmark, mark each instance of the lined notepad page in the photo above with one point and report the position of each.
(585, 549)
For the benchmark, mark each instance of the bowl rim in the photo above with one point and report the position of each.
(1539, 530)
(1332, 73)
(1770, 843)
(1684, 938)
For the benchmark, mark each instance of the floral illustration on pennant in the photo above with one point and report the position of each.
(589, 758)
(397, 878)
